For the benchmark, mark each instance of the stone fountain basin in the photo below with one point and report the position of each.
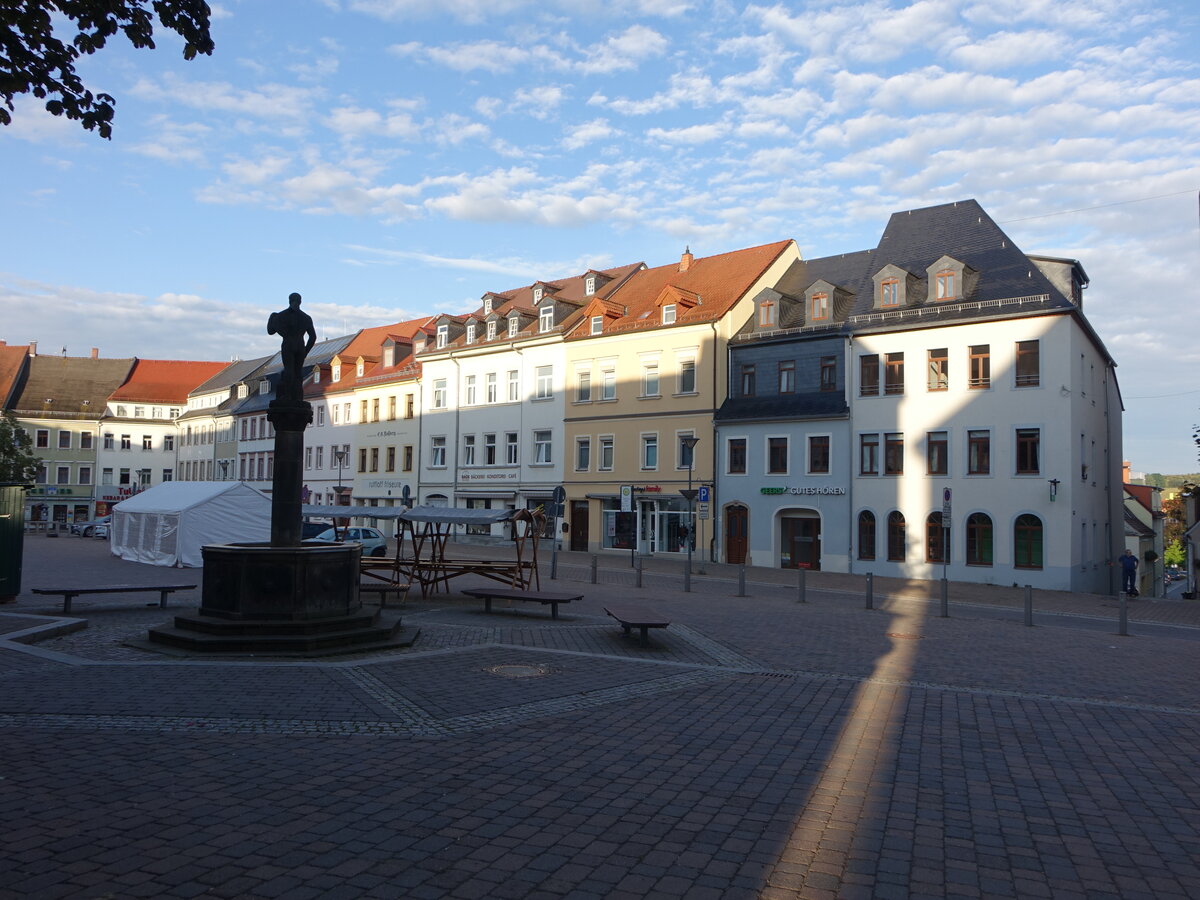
(313, 580)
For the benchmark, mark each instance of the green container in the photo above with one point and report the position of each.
(12, 538)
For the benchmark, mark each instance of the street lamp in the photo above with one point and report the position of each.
(224, 464)
(688, 442)
(339, 459)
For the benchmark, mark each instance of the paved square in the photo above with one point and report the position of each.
(758, 748)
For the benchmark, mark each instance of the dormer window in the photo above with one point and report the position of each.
(513, 324)
(491, 330)
(668, 314)
(589, 285)
(818, 306)
(546, 317)
(944, 285)
(443, 335)
(597, 324)
(360, 368)
(889, 292)
(264, 386)
(389, 357)
(537, 295)
(471, 333)
(768, 314)
(316, 375)
(487, 306)
(336, 371)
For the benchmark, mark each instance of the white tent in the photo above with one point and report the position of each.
(169, 523)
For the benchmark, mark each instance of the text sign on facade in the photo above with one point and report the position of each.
(626, 498)
(703, 510)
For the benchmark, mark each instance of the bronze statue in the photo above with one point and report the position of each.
(295, 328)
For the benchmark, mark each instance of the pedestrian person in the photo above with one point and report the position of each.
(1129, 565)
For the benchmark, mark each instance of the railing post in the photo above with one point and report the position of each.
(639, 571)
(687, 576)
(595, 561)
(1123, 617)
(800, 586)
(945, 599)
(1029, 605)
(870, 590)
(741, 581)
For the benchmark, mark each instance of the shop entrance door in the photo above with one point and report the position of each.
(800, 544)
(737, 524)
(579, 525)
(647, 527)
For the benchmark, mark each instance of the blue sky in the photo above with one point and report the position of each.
(392, 158)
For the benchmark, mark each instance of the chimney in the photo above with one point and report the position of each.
(685, 261)
(1126, 471)
(95, 353)
(33, 348)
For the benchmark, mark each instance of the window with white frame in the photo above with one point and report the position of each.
(546, 318)
(470, 332)
(491, 387)
(468, 449)
(668, 314)
(649, 451)
(597, 324)
(513, 324)
(685, 450)
(589, 285)
(545, 382)
(608, 384)
(443, 336)
(607, 451)
(514, 385)
(542, 448)
(650, 380)
(583, 387)
(511, 448)
(439, 393)
(583, 454)
(687, 376)
(437, 452)
(470, 398)
(491, 330)
(487, 306)
(489, 449)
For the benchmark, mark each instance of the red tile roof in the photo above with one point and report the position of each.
(165, 380)
(12, 363)
(715, 282)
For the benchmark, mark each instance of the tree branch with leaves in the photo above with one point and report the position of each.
(17, 461)
(35, 60)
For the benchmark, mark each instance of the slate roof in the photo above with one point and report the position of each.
(812, 405)
(77, 386)
(236, 371)
(164, 380)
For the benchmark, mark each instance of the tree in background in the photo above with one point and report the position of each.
(33, 60)
(17, 462)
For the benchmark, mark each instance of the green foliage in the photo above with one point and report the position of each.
(1155, 479)
(33, 60)
(17, 462)
(1173, 555)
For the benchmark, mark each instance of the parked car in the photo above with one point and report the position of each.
(87, 529)
(372, 539)
(101, 531)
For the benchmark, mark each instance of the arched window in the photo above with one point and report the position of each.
(866, 535)
(1027, 542)
(896, 546)
(935, 539)
(979, 540)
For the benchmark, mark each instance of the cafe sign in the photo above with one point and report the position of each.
(805, 491)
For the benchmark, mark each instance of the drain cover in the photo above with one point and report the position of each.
(519, 671)
(904, 637)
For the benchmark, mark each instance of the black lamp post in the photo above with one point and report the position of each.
(339, 459)
(688, 442)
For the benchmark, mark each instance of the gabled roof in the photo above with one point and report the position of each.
(165, 380)
(717, 283)
(12, 367)
(77, 387)
(238, 370)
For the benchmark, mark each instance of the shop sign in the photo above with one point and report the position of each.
(649, 488)
(487, 476)
(805, 491)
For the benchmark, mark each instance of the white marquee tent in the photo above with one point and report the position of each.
(167, 525)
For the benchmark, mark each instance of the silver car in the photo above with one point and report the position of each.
(372, 539)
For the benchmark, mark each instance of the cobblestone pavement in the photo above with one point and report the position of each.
(759, 747)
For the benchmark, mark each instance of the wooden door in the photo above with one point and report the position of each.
(737, 528)
(579, 525)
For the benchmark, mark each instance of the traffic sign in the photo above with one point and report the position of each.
(560, 495)
(703, 507)
(703, 493)
(626, 498)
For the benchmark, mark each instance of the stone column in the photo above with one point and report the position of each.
(289, 419)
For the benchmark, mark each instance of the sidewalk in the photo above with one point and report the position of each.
(758, 748)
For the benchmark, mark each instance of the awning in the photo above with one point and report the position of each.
(351, 512)
(450, 515)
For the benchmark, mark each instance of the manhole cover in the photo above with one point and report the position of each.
(904, 637)
(519, 671)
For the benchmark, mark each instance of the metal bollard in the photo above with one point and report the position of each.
(595, 562)
(639, 571)
(945, 599)
(870, 590)
(553, 566)
(800, 587)
(1123, 618)
(687, 578)
(741, 581)
(1029, 605)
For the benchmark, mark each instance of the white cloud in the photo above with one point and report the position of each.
(587, 132)
(623, 51)
(693, 134)
(257, 171)
(454, 129)
(1011, 50)
(541, 101)
(174, 142)
(520, 195)
(268, 101)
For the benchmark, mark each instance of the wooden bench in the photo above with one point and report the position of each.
(69, 594)
(546, 598)
(632, 616)
(400, 589)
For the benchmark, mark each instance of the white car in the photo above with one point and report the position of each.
(372, 539)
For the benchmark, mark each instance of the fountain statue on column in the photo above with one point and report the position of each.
(284, 596)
